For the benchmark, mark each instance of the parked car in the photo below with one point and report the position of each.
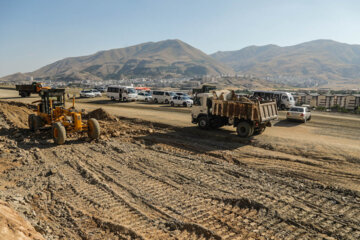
(96, 92)
(101, 89)
(162, 96)
(87, 94)
(181, 101)
(181, 94)
(299, 113)
(144, 96)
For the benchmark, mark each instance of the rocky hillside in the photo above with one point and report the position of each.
(170, 58)
(315, 63)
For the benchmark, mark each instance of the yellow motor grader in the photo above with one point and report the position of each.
(51, 111)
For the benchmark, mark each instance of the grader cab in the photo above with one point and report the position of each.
(51, 111)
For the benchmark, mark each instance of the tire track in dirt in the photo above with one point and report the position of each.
(319, 223)
(166, 193)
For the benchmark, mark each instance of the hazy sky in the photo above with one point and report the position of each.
(38, 32)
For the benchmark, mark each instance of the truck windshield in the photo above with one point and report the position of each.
(131, 90)
(296, 109)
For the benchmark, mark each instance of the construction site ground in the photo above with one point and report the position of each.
(154, 175)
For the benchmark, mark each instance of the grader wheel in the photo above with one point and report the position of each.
(31, 121)
(93, 128)
(37, 123)
(59, 133)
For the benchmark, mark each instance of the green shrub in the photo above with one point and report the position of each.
(357, 111)
(335, 108)
(320, 108)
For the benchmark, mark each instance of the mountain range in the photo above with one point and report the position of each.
(314, 63)
(309, 64)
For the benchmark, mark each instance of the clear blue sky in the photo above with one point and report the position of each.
(38, 32)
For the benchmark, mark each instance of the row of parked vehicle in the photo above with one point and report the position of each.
(124, 93)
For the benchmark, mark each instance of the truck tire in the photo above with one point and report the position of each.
(282, 107)
(23, 94)
(59, 133)
(184, 104)
(172, 104)
(244, 129)
(31, 121)
(203, 122)
(93, 128)
(155, 100)
(166, 101)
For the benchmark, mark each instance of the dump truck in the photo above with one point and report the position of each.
(248, 115)
(51, 111)
(25, 90)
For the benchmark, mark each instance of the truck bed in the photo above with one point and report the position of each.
(249, 110)
(29, 88)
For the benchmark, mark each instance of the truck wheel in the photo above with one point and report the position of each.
(184, 104)
(309, 118)
(112, 99)
(31, 121)
(172, 104)
(59, 133)
(93, 128)
(166, 101)
(203, 122)
(244, 129)
(282, 107)
(155, 100)
(22, 94)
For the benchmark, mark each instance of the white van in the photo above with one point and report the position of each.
(162, 96)
(121, 93)
(284, 100)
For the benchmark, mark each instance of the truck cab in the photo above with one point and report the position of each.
(201, 106)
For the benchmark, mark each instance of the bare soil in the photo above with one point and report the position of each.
(147, 180)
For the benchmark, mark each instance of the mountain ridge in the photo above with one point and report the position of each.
(320, 62)
(168, 58)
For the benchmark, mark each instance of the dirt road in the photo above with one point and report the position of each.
(146, 180)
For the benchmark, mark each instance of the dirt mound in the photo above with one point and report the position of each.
(15, 115)
(100, 114)
(20, 104)
(14, 227)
